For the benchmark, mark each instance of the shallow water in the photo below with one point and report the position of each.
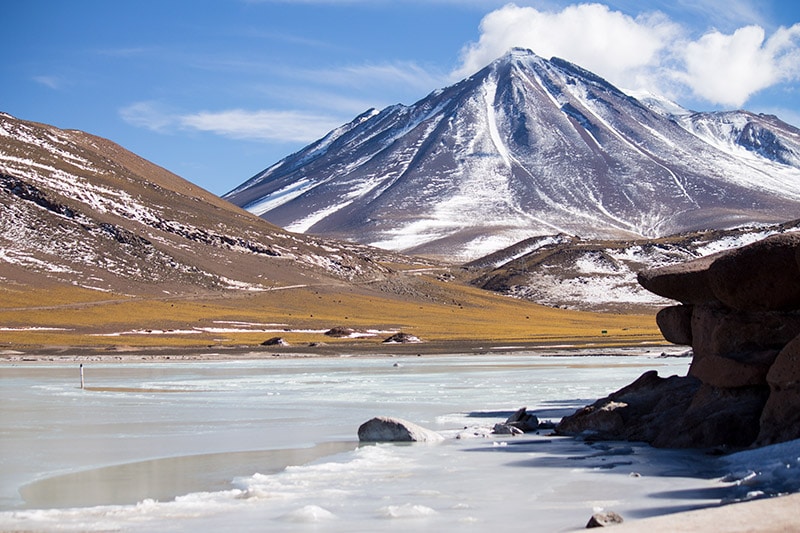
(270, 444)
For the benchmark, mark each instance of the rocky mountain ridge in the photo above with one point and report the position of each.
(530, 147)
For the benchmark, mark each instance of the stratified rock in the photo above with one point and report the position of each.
(675, 323)
(604, 519)
(760, 276)
(685, 282)
(385, 429)
(402, 338)
(780, 420)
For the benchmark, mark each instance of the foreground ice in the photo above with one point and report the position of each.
(237, 441)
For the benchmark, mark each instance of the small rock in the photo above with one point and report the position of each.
(402, 338)
(604, 519)
(340, 331)
(524, 421)
(275, 341)
(506, 429)
(385, 429)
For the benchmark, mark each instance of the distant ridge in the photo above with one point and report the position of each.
(530, 147)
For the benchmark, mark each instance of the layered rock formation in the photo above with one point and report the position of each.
(740, 312)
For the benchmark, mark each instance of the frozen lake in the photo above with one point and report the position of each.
(271, 445)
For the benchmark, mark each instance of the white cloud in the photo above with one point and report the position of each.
(728, 69)
(269, 125)
(148, 115)
(593, 36)
(53, 82)
(259, 125)
(649, 52)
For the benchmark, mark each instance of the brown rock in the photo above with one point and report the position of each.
(641, 411)
(717, 417)
(785, 371)
(780, 419)
(675, 323)
(761, 276)
(717, 330)
(686, 282)
(725, 372)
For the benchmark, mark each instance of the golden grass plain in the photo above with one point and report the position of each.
(67, 316)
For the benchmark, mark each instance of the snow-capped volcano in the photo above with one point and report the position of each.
(526, 147)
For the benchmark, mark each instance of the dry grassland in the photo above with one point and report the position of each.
(70, 316)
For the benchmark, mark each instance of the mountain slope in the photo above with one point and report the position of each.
(526, 147)
(79, 209)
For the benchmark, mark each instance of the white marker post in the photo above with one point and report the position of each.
(81, 375)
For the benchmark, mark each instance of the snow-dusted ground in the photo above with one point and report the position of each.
(202, 446)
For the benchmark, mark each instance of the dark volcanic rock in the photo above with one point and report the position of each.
(780, 420)
(718, 330)
(743, 385)
(717, 417)
(760, 276)
(641, 411)
(275, 341)
(604, 519)
(402, 338)
(686, 282)
(523, 420)
(675, 323)
(340, 331)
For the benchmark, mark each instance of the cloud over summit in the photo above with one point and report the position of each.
(649, 51)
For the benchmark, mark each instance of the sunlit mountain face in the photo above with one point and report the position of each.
(530, 147)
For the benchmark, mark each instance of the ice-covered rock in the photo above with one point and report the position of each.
(385, 429)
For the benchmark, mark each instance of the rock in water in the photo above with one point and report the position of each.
(604, 519)
(385, 429)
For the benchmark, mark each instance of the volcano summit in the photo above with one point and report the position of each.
(527, 147)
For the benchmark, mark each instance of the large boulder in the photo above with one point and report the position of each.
(760, 276)
(719, 330)
(385, 429)
(685, 282)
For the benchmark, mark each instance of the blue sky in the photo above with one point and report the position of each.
(216, 91)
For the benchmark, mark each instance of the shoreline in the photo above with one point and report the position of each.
(166, 353)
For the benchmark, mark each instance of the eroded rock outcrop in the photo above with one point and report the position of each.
(740, 312)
